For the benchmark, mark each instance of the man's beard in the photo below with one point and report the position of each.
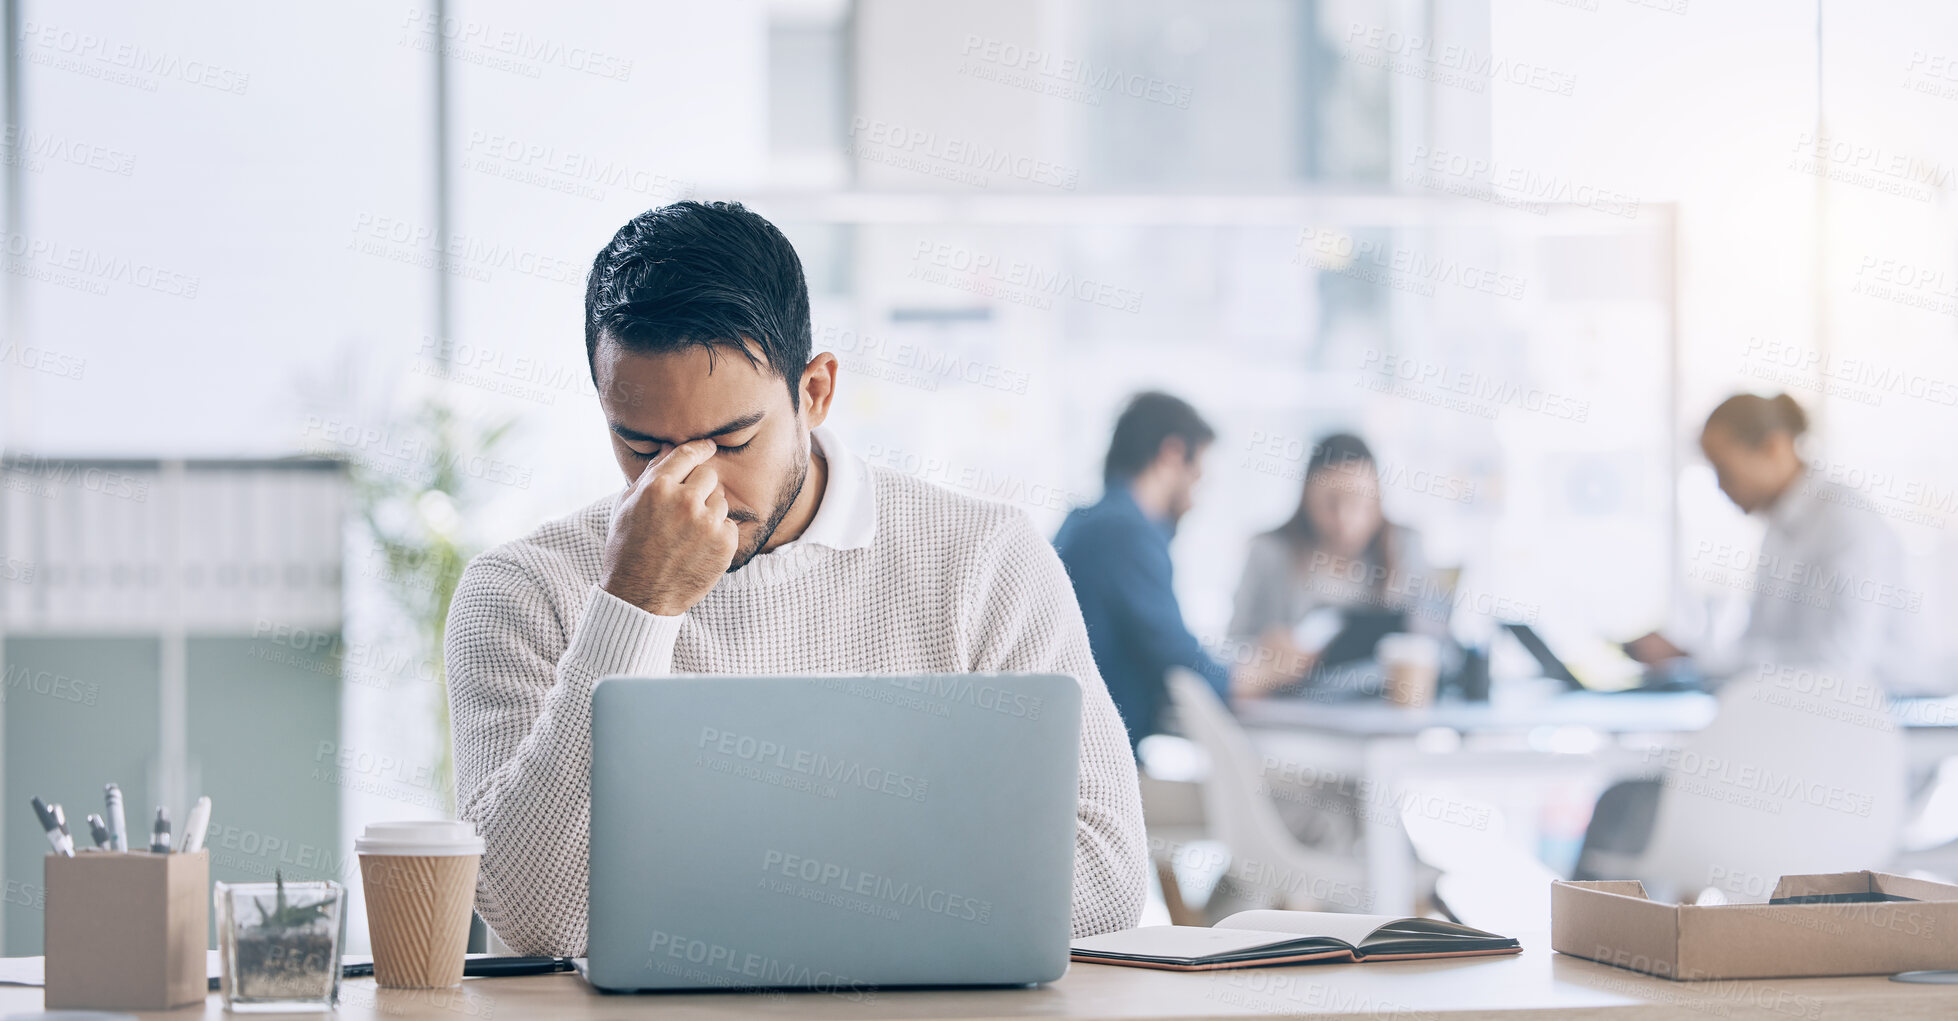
(786, 500)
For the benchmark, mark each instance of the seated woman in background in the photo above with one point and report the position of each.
(1337, 551)
(1829, 584)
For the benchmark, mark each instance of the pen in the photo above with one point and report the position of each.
(56, 827)
(99, 831)
(194, 827)
(160, 833)
(118, 831)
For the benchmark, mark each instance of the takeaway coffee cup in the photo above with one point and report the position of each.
(1412, 668)
(420, 880)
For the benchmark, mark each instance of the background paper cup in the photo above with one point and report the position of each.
(1412, 665)
(419, 879)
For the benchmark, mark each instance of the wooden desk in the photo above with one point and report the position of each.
(1538, 983)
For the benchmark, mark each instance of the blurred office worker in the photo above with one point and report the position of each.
(1829, 586)
(1117, 556)
(1337, 551)
(747, 540)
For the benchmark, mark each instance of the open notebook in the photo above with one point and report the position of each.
(1249, 939)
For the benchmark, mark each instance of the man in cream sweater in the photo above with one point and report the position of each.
(746, 540)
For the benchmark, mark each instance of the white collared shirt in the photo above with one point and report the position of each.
(1831, 591)
(847, 517)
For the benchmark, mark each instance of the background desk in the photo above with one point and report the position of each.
(1548, 740)
(1537, 983)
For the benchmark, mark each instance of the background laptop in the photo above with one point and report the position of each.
(1609, 669)
(832, 833)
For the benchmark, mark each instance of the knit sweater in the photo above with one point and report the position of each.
(948, 584)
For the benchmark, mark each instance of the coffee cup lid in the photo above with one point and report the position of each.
(420, 836)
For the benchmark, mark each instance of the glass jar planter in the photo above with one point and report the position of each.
(279, 944)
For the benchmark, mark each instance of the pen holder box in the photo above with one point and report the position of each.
(126, 930)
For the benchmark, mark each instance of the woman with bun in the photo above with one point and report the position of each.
(1828, 589)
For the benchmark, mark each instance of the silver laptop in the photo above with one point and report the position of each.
(832, 833)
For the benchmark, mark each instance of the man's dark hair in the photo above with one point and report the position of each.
(1150, 419)
(707, 274)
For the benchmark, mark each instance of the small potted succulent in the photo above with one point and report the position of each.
(280, 944)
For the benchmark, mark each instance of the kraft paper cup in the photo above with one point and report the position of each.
(419, 879)
(1412, 668)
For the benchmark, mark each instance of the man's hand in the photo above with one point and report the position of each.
(671, 538)
(1652, 648)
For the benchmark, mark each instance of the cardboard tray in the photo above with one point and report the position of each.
(1615, 923)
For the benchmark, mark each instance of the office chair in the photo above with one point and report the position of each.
(1266, 857)
(1780, 783)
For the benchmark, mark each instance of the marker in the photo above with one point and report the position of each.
(56, 827)
(118, 831)
(98, 830)
(160, 833)
(200, 820)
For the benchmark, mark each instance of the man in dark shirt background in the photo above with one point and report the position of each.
(1117, 556)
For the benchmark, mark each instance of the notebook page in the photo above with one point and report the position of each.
(1353, 929)
(1185, 941)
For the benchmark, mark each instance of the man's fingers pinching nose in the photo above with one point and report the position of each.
(683, 459)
